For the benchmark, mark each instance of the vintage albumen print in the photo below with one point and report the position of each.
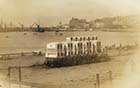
(69, 43)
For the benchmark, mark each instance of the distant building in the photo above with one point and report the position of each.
(98, 24)
(76, 23)
(66, 26)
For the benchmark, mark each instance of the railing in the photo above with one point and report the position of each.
(8, 55)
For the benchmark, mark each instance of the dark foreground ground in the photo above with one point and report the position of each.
(80, 76)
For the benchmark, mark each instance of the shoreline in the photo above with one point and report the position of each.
(72, 30)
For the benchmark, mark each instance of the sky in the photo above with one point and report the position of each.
(51, 12)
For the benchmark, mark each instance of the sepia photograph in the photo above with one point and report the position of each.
(69, 43)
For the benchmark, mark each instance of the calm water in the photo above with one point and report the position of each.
(20, 42)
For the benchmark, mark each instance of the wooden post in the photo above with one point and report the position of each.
(95, 85)
(98, 80)
(110, 75)
(110, 78)
(9, 72)
(19, 70)
(9, 75)
(19, 74)
(22, 54)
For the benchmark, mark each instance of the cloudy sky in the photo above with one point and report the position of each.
(50, 12)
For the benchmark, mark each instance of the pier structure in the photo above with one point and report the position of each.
(73, 50)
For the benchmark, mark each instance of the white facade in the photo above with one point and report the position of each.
(79, 46)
